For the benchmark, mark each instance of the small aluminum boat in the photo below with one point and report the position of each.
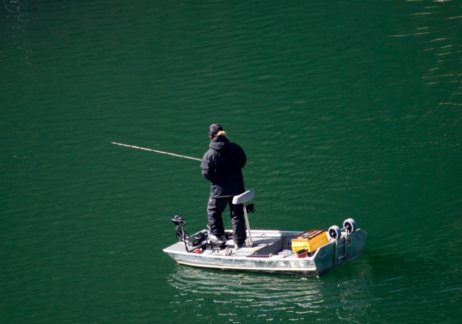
(302, 252)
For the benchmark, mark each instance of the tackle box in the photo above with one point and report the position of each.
(309, 240)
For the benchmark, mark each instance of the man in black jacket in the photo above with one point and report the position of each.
(222, 165)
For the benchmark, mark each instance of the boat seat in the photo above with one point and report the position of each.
(243, 197)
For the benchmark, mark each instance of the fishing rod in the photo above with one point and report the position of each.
(156, 151)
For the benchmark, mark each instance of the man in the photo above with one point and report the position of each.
(222, 165)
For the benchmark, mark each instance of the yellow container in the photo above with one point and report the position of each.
(310, 241)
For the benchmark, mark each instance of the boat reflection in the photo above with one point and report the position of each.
(267, 295)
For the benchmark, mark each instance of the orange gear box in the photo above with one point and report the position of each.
(310, 241)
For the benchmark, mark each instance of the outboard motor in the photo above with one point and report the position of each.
(191, 242)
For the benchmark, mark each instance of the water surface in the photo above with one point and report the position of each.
(345, 109)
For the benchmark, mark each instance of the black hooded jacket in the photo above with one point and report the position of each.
(222, 165)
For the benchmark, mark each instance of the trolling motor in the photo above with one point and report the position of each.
(191, 242)
(179, 227)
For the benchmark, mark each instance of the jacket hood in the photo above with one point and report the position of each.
(219, 143)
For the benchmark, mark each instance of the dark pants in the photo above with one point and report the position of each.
(215, 208)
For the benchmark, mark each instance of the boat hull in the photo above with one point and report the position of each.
(271, 253)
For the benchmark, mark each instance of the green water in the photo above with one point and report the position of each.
(345, 109)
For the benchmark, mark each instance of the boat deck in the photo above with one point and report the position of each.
(264, 244)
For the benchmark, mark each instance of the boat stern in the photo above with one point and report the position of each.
(345, 248)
